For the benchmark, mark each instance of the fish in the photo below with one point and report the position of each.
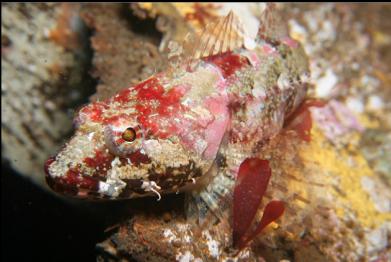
(171, 132)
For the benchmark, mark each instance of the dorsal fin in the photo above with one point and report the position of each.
(220, 36)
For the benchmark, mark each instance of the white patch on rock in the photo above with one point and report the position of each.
(187, 257)
(377, 238)
(355, 104)
(380, 198)
(375, 103)
(327, 32)
(326, 84)
(167, 233)
(297, 31)
(213, 245)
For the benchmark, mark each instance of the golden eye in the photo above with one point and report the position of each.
(129, 134)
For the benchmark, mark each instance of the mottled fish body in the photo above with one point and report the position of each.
(164, 134)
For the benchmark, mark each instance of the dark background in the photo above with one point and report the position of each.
(38, 226)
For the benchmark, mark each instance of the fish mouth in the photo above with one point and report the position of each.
(89, 177)
(72, 183)
(75, 183)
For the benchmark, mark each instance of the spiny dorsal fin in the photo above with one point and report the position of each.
(223, 35)
(219, 36)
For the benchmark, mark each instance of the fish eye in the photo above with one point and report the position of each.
(129, 135)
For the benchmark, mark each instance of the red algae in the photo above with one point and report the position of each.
(251, 184)
(273, 210)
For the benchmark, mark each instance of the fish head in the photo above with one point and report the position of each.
(145, 140)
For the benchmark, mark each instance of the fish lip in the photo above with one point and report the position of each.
(72, 189)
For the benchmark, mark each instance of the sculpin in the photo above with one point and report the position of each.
(165, 134)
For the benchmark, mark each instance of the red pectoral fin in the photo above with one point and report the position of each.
(251, 184)
(301, 120)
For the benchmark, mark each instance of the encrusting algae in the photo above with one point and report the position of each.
(343, 169)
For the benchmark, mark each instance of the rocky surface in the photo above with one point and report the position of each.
(125, 47)
(43, 64)
(338, 184)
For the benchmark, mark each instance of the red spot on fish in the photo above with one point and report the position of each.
(149, 89)
(174, 95)
(73, 182)
(228, 62)
(157, 107)
(301, 121)
(94, 111)
(114, 119)
(250, 186)
(136, 158)
(75, 179)
(123, 96)
(101, 162)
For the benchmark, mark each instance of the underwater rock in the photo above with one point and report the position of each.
(125, 47)
(43, 64)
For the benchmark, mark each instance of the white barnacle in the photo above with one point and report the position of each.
(151, 186)
(187, 257)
